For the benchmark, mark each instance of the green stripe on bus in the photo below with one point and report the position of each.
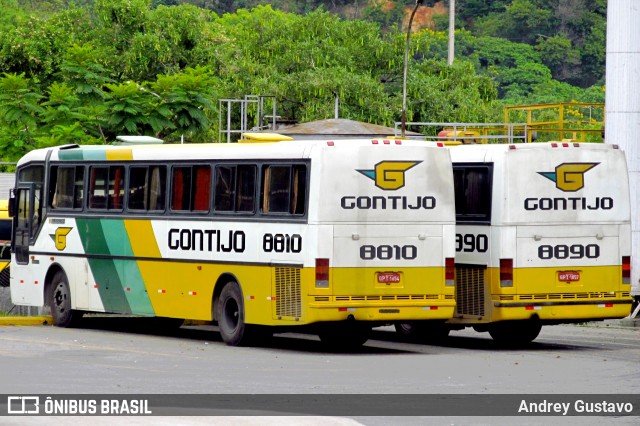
(70, 154)
(128, 271)
(98, 153)
(104, 271)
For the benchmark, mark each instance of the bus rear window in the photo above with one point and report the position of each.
(472, 184)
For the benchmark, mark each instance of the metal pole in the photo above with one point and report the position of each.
(403, 117)
(452, 24)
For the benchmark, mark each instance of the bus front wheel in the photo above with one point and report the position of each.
(60, 302)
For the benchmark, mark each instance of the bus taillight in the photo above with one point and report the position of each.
(626, 269)
(449, 271)
(506, 272)
(322, 273)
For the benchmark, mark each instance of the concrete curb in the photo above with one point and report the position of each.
(18, 320)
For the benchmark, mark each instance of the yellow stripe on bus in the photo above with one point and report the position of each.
(119, 154)
(142, 239)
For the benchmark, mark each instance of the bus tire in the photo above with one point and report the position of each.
(424, 331)
(342, 336)
(60, 302)
(230, 315)
(515, 333)
(407, 329)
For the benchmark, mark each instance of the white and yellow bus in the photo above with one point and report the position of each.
(342, 235)
(543, 236)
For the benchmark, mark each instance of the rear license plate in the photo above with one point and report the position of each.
(388, 277)
(568, 276)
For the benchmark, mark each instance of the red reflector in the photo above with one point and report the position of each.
(330, 143)
(565, 145)
(529, 308)
(512, 147)
(386, 142)
(398, 142)
(375, 142)
(608, 305)
(342, 309)
(554, 145)
(433, 308)
(440, 144)
(577, 145)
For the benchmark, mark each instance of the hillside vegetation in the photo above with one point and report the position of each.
(85, 71)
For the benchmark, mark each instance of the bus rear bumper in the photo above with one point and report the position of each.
(381, 313)
(562, 311)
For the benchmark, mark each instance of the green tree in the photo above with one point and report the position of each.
(64, 119)
(133, 110)
(558, 54)
(19, 107)
(189, 98)
(82, 70)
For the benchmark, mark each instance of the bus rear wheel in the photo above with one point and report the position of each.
(60, 302)
(230, 315)
(347, 335)
(514, 333)
(424, 331)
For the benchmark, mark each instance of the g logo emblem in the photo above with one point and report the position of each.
(389, 175)
(569, 177)
(60, 237)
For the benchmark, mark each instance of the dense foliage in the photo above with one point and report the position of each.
(85, 71)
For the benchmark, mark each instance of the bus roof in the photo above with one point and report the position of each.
(483, 152)
(288, 149)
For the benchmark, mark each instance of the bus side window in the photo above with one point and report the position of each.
(191, 188)
(66, 188)
(201, 188)
(98, 190)
(235, 188)
(246, 188)
(225, 189)
(299, 193)
(138, 188)
(147, 188)
(116, 188)
(283, 189)
(157, 187)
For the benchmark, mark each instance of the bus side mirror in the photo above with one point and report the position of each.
(11, 204)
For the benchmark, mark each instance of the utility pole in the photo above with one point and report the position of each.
(452, 24)
(403, 117)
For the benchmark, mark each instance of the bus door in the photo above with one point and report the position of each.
(26, 221)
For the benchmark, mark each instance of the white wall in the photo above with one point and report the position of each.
(622, 105)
